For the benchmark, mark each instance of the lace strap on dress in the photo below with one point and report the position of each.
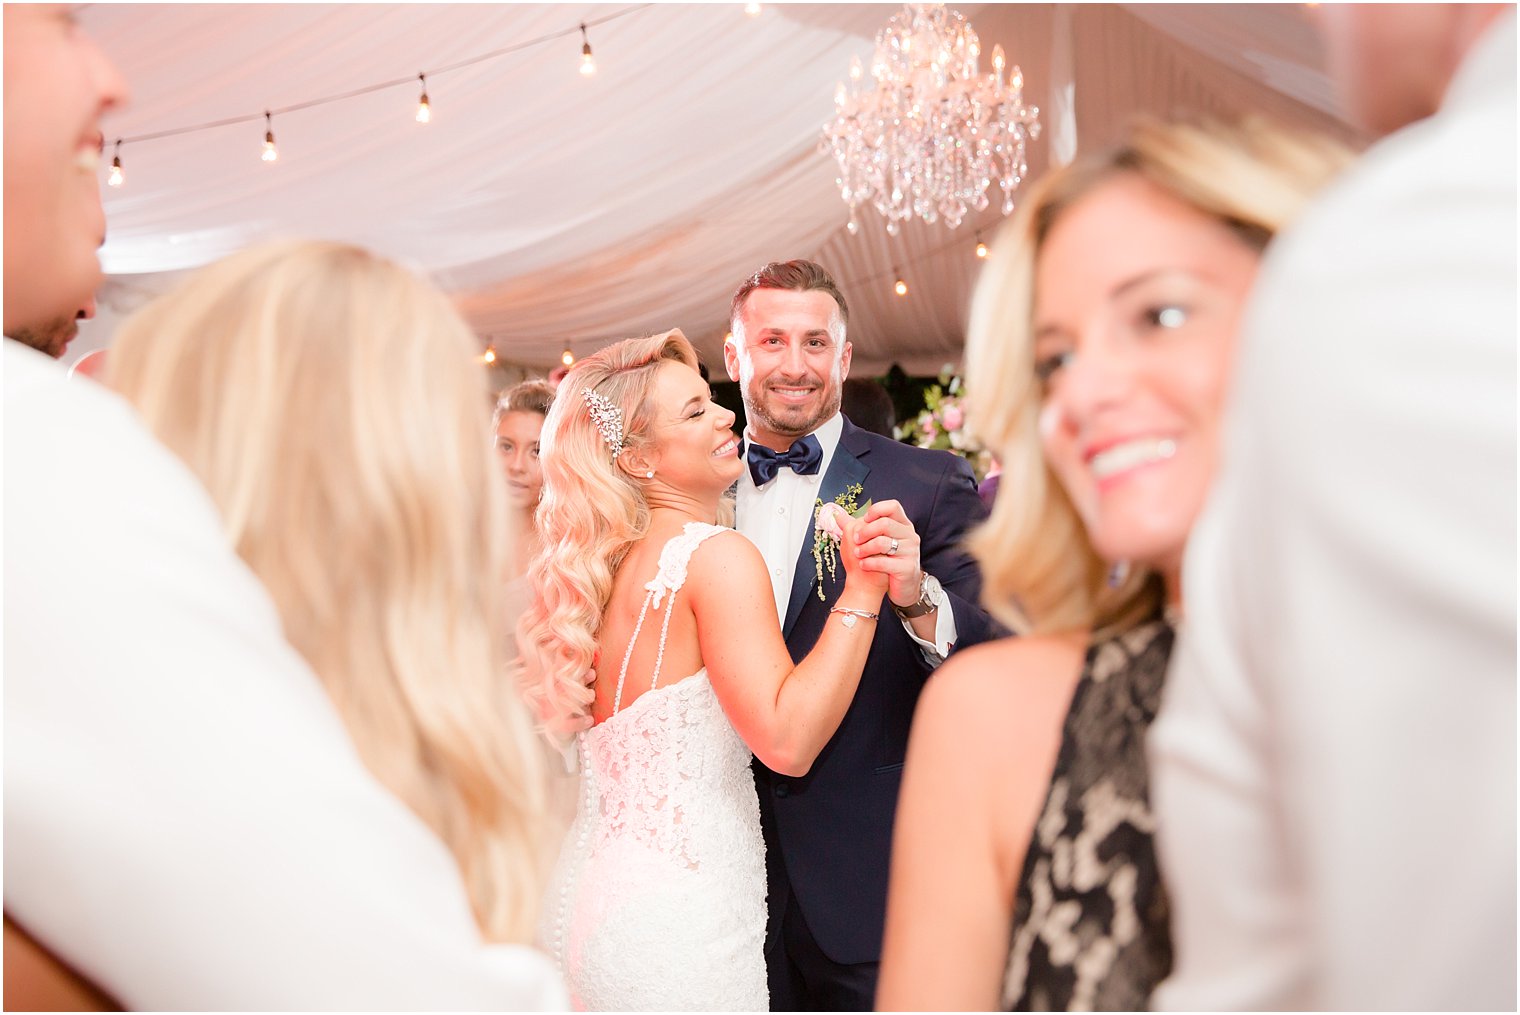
(675, 557)
(673, 561)
(672, 575)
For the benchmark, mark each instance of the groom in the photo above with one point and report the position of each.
(828, 834)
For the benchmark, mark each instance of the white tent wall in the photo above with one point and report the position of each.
(565, 211)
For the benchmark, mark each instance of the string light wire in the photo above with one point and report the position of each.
(295, 107)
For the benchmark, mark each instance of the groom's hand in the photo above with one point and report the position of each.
(886, 523)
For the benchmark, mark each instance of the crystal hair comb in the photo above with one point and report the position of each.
(608, 419)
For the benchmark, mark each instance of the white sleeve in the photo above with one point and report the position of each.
(186, 821)
(1334, 760)
(944, 632)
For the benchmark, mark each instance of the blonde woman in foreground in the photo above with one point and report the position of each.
(329, 402)
(1102, 334)
(658, 902)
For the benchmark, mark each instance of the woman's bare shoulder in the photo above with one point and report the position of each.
(721, 554)
(1009, 681)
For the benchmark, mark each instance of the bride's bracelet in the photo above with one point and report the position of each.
(849, 615)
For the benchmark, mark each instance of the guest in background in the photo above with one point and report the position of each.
(868, 406)
(517, 423)
(187, 824)
(987, 489)
(1102, 331)
(1335, 761)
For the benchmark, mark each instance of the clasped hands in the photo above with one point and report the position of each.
(884, 542)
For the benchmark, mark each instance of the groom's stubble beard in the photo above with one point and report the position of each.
(797, 421)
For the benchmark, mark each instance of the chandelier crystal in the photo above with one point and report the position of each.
(925, 133)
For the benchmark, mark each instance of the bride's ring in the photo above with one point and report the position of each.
(892, 550)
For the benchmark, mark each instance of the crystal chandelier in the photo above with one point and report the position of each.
(926, 134)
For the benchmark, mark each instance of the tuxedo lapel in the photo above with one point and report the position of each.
(847, 469)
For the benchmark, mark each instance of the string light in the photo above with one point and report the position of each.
(270, 151)
(567, 357)
(588, 65)
(753, 10)
(489, 356)
(981, 248)
(424, 110)
(117, 177)
(901, 288)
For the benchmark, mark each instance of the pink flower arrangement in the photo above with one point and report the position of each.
(831, 519)
(941, 424)
(828, 531)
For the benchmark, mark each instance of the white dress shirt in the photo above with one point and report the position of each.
(778, 519)
(1333, 764)
(186, 821)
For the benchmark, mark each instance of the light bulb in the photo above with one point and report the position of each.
(753, 10)
(588, 65)
(839, 95)
(490, 356)
(424, 108)
(901, 288)
(1016, 79)
(855, 68)
(999, 61)
(270, 151)
(567, 357)
(981, 249)
(117, 177)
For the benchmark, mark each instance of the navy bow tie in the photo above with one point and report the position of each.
(803, 458)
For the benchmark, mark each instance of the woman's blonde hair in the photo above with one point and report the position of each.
(591, 514)
(1040, 572)
(329, 401)
(525, 396)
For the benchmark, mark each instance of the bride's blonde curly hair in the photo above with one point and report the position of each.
(591, 514)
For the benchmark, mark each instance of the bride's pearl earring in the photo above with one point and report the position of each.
(649, 474)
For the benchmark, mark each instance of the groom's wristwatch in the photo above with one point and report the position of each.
(928, 599)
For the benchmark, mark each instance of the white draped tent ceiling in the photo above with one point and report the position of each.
(565, 211)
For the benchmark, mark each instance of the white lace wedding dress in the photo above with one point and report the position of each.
(658, 900)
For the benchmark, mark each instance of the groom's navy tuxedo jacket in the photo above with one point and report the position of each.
(828, 835)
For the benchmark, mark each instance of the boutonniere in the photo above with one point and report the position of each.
(828, 530)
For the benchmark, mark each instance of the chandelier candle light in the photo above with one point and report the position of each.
(926, 134)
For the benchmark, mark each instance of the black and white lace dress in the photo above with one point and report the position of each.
(1090, 918)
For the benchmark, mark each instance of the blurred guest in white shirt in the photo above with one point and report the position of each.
(188, 824)
(1334, 761)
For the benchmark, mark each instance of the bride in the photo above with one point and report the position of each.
(658, 901)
